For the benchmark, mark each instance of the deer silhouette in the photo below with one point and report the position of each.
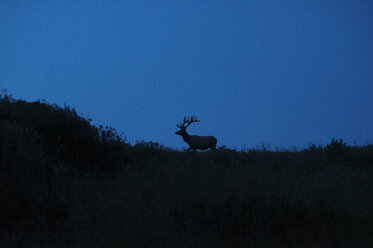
(194, 141)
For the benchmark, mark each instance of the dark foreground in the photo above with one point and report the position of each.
(66, 183)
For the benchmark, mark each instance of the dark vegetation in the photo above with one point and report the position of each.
(67, 183)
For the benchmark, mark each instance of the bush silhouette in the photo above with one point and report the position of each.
(337, 150)
(69, 135)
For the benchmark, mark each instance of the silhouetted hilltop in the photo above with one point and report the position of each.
(61, 132)
(67, 183)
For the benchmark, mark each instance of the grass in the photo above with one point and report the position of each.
(67, 183)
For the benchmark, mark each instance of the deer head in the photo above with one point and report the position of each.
(186, 123)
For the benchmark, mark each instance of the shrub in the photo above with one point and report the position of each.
(337, 150)
(70, 137)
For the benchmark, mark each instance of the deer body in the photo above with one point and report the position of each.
(194, 141)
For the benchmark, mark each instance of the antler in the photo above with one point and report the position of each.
(187, 121)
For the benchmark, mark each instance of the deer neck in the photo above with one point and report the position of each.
(185, 137)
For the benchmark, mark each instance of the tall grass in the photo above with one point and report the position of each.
(67, 183)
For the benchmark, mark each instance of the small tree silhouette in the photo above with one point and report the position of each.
(336, 150)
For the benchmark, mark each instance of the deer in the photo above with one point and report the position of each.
(194, 141)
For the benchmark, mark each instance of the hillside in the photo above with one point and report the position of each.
(67, 183)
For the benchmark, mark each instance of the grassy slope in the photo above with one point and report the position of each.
(66, 183)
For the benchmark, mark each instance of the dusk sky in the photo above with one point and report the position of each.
(284, 73)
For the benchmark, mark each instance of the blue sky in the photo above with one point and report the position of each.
(280, 72)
